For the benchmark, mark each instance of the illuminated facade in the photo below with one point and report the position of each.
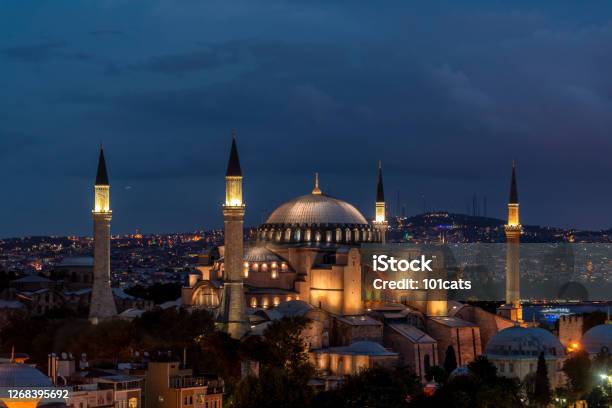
(102, 301)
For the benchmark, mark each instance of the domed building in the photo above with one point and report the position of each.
(598, 339)
(306, 259)
(515, 352)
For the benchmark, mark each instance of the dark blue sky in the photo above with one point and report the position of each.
(445, 93)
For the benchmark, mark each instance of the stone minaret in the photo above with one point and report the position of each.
(512, 309)
(232, 313)
(380, 221)
(102, 301)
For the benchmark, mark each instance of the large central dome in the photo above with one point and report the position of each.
(317, 219)
(316, 209)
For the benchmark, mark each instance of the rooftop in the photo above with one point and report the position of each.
(412, 333)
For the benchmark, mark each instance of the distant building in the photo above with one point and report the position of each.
(170, 386)
(75, 272)
(38, 294)
(515, 352)
(92, 387)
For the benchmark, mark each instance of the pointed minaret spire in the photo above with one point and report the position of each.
(233, 165)
(513, 188)
(380, 192)
(101, 175)
(316, 190)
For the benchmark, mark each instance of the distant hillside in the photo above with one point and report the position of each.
(445, 219)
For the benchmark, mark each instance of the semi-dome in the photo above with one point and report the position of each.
(524, 342)
(598, 339)
(316, 209)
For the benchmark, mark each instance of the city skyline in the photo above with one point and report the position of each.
(445, 96)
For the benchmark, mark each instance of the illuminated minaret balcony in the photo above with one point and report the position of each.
(380, 212)
(233, 191)
(102, 199)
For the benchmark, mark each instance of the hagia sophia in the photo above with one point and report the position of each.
(306, 259)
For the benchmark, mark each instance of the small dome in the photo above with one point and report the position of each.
(524, 342)
(22, 375)
(597, 339)
(316, 209)
(294, 308)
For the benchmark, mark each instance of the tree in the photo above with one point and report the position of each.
(436, 373)
(274, 388)
(106, 342)
(220, 355)
(482, 368)
(158, 292)
(285, 343)
(481, 388)
(578, 370)
(284, 367)
(542, 393)
(376, 387)
(450, 360)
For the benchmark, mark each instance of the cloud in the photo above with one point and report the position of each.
(106, 33)
(35, 52)
(44, 52)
